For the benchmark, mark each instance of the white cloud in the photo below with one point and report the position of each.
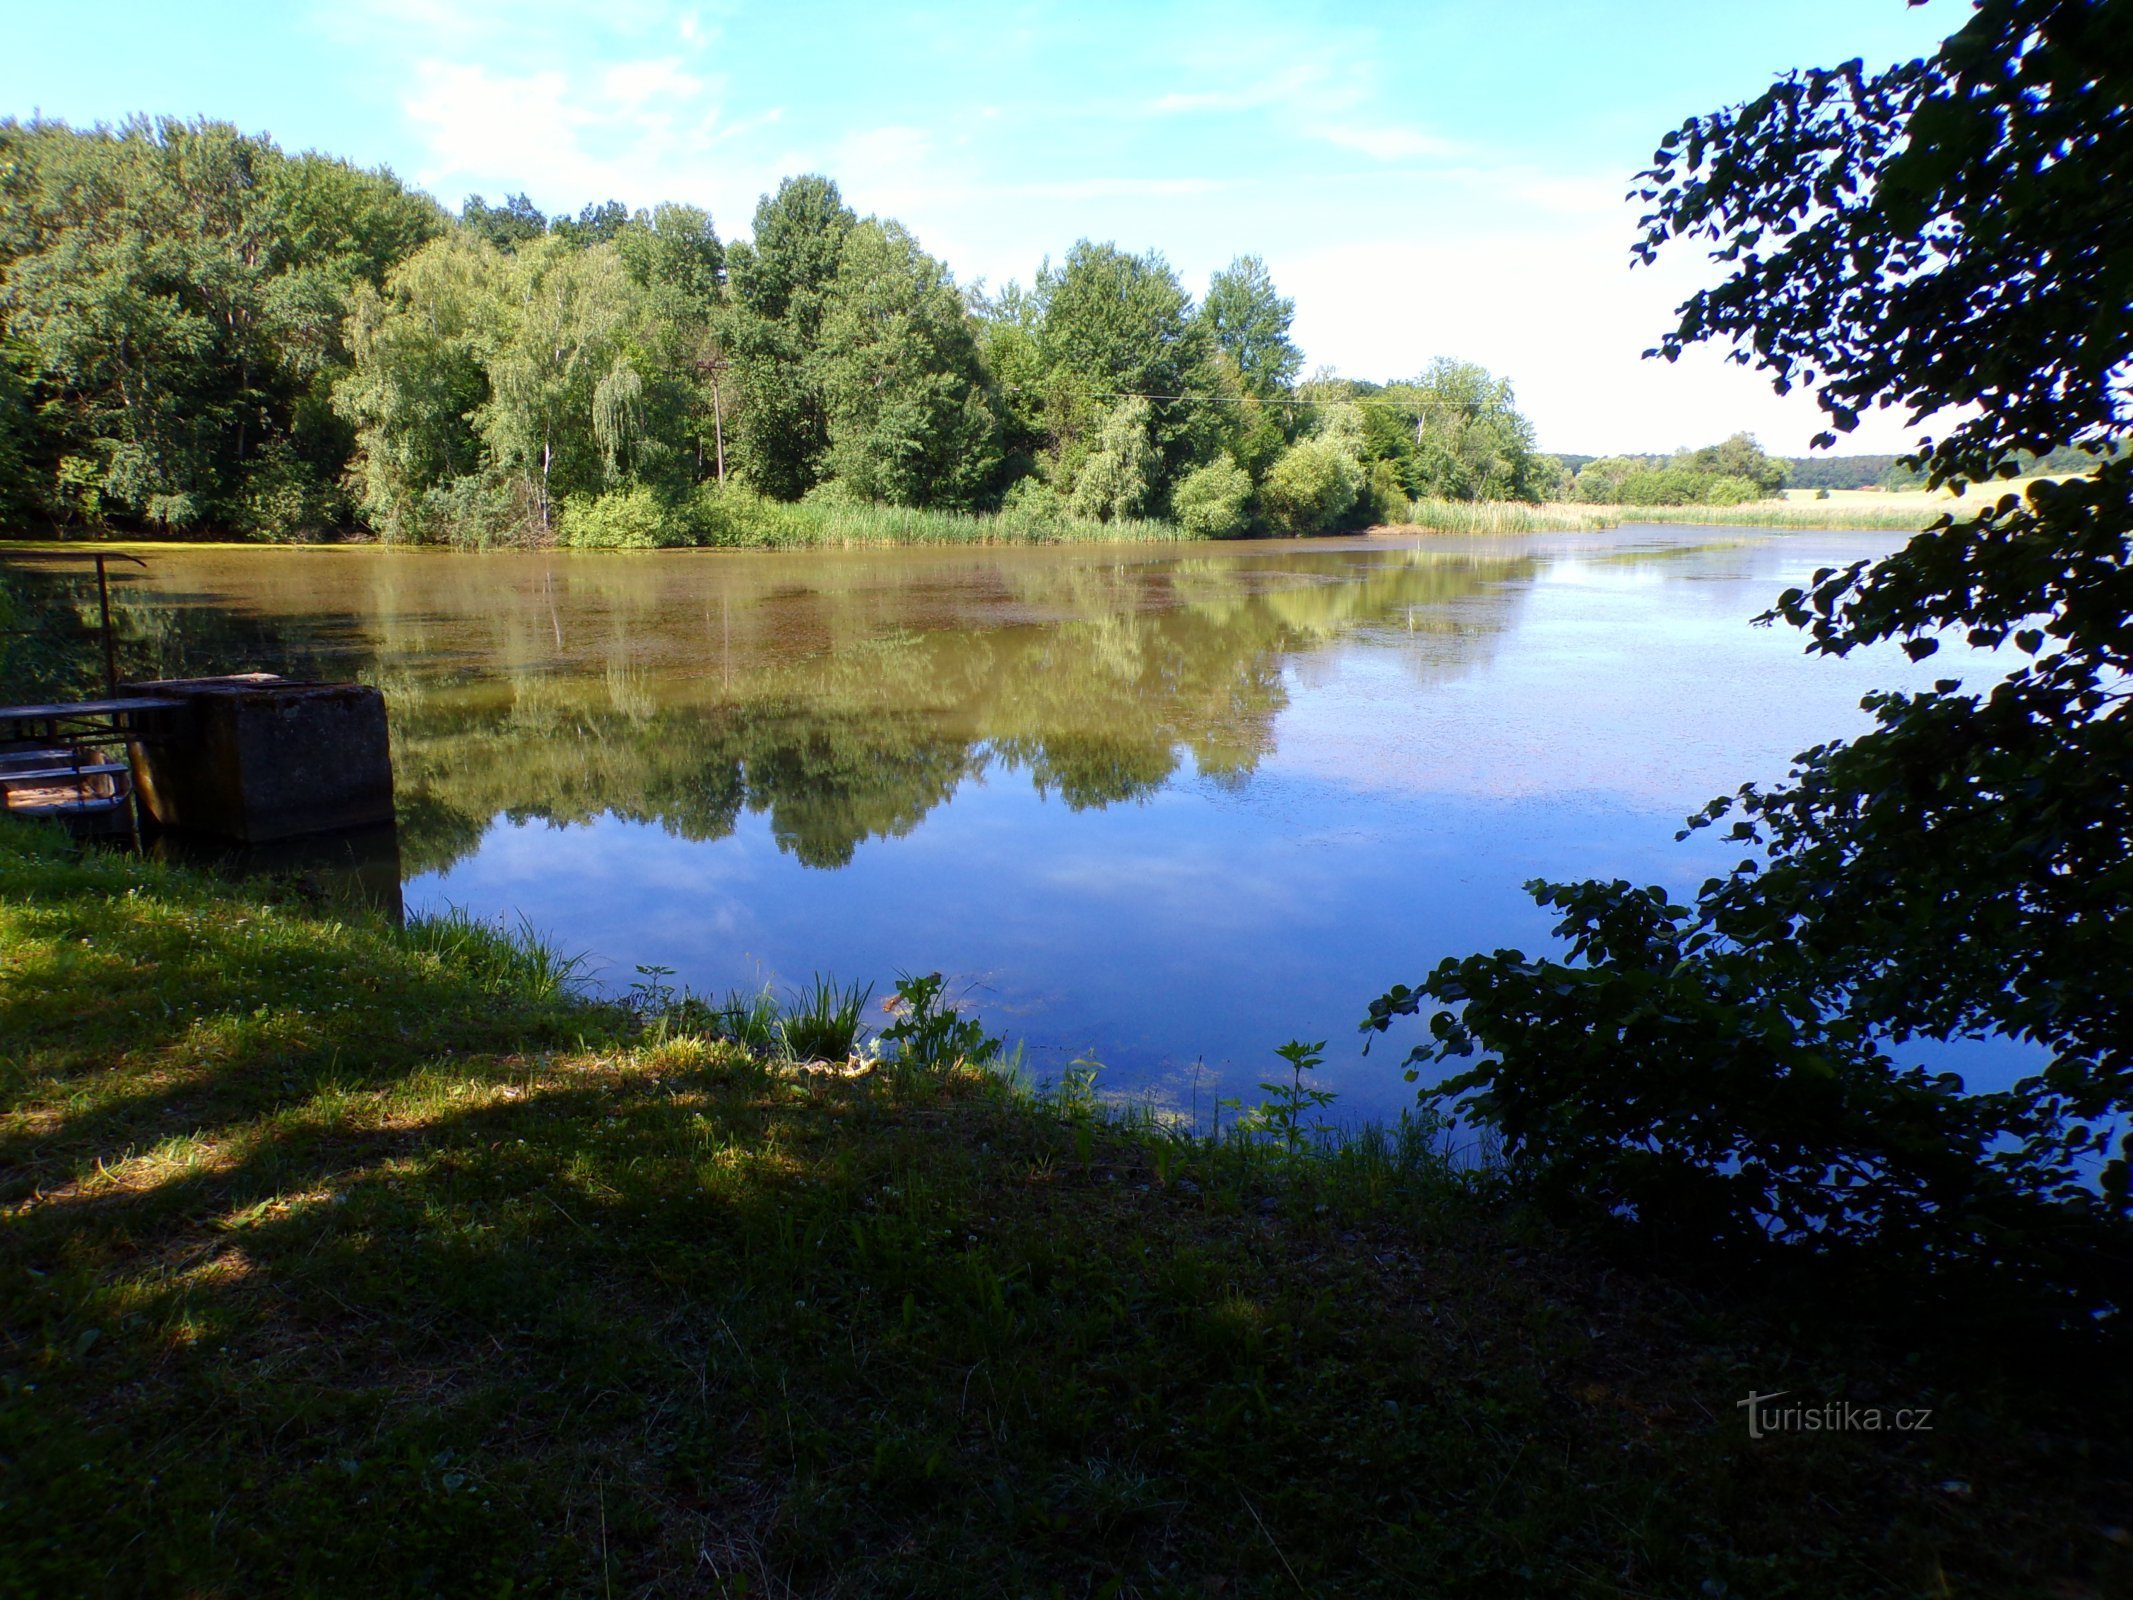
(1387, 143)
(638, 130)
(1566, 319)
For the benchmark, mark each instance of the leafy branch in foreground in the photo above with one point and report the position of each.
(1949, 235)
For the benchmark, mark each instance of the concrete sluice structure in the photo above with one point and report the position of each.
(255, 759)
(249, 773)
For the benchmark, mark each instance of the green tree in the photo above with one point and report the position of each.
(418, 379)
(1250, 321)
(903, 391)
(1112, 326)
(1011, 350)
(506, 226)
(1741, 457)
(781, 281)
(1949, 234)
(173, 296)
(1471, 441)
(676, 248)
(1454, 433)
(565, 408)
(594, 224)
(675, 258)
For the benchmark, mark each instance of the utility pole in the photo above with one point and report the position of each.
(712, 364)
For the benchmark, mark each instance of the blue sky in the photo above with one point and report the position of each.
(1442, 177)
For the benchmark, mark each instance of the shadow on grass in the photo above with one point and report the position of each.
(404, 1300)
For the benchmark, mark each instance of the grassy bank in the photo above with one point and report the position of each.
(337, 1259)
(774, 525)
(737, 522)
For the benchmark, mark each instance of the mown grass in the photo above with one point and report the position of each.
(341, 1260)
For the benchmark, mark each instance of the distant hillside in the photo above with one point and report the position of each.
(1842, 472)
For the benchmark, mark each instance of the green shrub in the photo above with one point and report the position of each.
(835, 494)
(1032, 503)
(468, 513)
(735, 515)
(1214, 501)
(1313, 487)
(637, 518)
(1385, 496)
(285, 498)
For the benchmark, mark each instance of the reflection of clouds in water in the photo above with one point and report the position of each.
(1641, 680)
(602, 888)
(1173, 875)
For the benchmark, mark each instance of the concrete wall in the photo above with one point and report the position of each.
(255, 758)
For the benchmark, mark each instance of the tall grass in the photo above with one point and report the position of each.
(822, 1022)
(800, 526)
(1786, 514)
(520, 961)
(1503, 516)
(1512, 516)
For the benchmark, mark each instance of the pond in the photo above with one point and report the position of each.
(1165, 807)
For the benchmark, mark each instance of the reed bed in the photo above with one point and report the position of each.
(1502, 516)
(766, 524)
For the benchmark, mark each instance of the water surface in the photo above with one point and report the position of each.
(1163, 806)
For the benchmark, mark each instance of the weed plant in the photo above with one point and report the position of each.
(930, 1035)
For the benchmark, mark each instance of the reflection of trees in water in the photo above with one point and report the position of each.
(1092, 691)
(51, 645)
(844, 697)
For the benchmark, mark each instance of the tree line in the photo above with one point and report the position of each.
(1729, 474)
(200, 332)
